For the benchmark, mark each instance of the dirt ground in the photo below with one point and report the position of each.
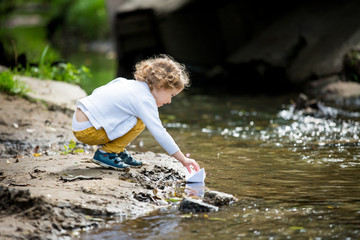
(46, 193)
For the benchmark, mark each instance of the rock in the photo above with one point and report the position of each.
(314, 88)
(333, 90)
(311, 40)
(219, 198)
(193, 205)
(54, 93)
(341, 90)
(345, 95)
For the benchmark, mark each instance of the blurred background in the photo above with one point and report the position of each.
(74, 31)
(290, 157)
(228, 46)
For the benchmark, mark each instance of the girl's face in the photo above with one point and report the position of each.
(163, 96)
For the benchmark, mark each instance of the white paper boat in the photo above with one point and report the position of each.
(196, 176)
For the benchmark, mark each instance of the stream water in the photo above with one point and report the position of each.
(296, 176)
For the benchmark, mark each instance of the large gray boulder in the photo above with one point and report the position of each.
(309, 41)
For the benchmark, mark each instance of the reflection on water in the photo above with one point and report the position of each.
(195, 189)
(296, 176)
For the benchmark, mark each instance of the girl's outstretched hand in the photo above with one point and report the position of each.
(186, 162)
(191, 162)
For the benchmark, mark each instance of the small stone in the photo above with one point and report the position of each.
(63, 205)
(192, 205)
(219, 198)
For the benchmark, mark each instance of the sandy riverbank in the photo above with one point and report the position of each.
(48, 195)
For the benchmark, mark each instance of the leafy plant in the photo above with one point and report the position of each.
(11, 85)
(71, 148)
(42, 60)
(65, 72)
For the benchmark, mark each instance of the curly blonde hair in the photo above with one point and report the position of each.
(162, 72)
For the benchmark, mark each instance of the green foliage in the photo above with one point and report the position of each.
(65, 72)
(84, 19)
(71, 148)
(24, 39)
(88, 17)
(173, 199)
(75, 22)
(69, 73)
(10, 85)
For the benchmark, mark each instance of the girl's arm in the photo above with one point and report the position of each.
(186, 162)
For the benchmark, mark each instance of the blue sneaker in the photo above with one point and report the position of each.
(110, 160)
(129, 160)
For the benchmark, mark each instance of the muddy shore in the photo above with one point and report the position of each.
(48, 193)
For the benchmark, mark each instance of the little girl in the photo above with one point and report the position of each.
(116, 113)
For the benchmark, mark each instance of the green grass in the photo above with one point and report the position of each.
(84, 16)
(31, 40)
(10, 85)
(65, 72)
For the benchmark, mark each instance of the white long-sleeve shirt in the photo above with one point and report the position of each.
(117, 105)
